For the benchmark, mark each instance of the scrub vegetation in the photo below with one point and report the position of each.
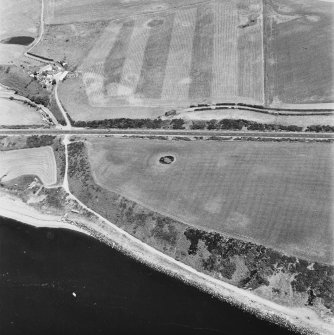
(269, 273)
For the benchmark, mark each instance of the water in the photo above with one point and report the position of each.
(62, 282)
(21, 40)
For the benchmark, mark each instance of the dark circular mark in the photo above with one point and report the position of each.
(155, 22)
(166, 160)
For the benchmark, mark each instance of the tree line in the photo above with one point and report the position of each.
(225, 124)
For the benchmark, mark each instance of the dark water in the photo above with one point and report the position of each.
(40, 268)
(21, 40)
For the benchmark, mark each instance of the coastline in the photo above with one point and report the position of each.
(13, 208)
(302, 319)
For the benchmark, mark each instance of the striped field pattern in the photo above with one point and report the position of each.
(250, 55)
(176, 82)
(225, 57)
(133, 63)
(32, 161)
(200, 53)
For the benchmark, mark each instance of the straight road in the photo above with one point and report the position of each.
(160, 132)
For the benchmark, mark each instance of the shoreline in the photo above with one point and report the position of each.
(28, 215)
(303, 320)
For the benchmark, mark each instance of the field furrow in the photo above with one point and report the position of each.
(155, 57)
(250, 51)
(134, 60)
(201, 63)
(113, 64)
(33, 161)
(49, 13)
(176, 82)
(93, 65)
(225, 52)
(99, 53)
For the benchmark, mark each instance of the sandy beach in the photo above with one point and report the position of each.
(13, 208)
(303, 319)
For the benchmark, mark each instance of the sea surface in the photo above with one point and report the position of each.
(55, 281)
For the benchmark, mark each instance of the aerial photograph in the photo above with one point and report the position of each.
(167, 167)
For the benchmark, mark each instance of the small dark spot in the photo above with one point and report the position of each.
(251, 22)
(155, 22)
(311, 297)
(166, 160)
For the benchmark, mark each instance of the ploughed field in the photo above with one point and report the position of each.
(39, 162)
(134, 56)
(193, 54)
(299, 52)
(163, 54)
(275, 194)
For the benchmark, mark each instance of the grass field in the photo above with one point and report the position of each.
(17, 18)
(299, 52)
(250, 51)
(33, 161)
(298, 120)
(64, 11)
(274, 194)
(16, 113)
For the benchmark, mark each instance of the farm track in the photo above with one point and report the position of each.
(38, 39)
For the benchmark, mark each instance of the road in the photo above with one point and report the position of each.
(37, 40)
(68, 123)
(161, 132)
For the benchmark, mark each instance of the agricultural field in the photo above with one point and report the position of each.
(39, 162)
(192, 55)
(64, 11)
(134, 57)
(199, 52)
(299, 52)
(285, 120)
(13, 113)
(69, 42)
(17, 18)
(267, 193)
